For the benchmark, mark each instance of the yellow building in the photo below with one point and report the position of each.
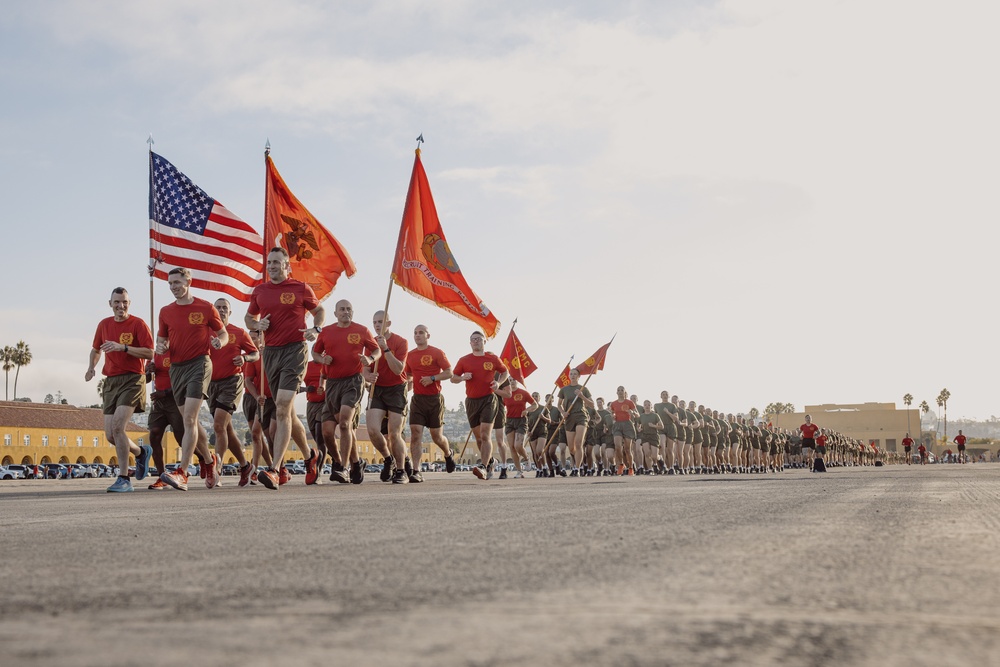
(36, 433)
(880, 423)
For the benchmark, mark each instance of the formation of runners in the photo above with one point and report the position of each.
(199, 355)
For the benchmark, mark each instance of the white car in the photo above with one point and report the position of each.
(9, 473)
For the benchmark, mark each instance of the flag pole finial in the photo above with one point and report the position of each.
(150, 142)
(267, 146)
(420, 140)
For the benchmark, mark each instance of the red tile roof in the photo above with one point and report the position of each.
(54, 416)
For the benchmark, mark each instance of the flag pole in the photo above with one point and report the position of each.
(152, 260)
(264, 249)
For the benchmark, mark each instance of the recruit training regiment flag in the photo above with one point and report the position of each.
(517, 360)
(189, 229)
(563, 379)
(424, 265)
(594, 362)
(315, 256)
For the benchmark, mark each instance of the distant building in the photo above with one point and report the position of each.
(880, 423)
(36, 433)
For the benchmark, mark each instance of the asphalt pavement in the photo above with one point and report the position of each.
(861, 566)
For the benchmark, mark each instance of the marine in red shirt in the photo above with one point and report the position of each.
(908, 448)
(809, 431)
(387, 402)
(517, 424)
(163, 413)
(344, 349)
(127, 343)
(479, 373)
(960, 440)
(278, 308)
(426, 367)
(225, 391)
(186, 328)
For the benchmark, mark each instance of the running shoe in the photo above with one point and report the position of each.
(246, 473)
(489, 469)
(357, 473)
(417, 477)
(338, 474)
(269, 479)
(142, 462)
(177, 479)
(400, 477)
(121, 485)
(388, 471)
(519, 475)
(562, 472)
(621, 469)
(158, 485)
(253, 478)
(631, 472)
(312, 473)
(449, 463)
(574, 473)
(503, 472)
(408, 466)
(202, 469)
(211, 475)
(284, 477)
(479, 472)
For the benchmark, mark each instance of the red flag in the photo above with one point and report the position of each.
(316, 257)
(190, 229)
(595, 362)
(517, 360)
(563, 379)
(424, 265)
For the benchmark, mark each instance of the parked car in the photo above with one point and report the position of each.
(27, 472)
(80, 470)
(230, 469)
(7, 472)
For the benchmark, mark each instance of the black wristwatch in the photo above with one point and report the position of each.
(318, 329)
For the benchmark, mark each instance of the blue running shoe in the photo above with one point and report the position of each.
(142, 462)
(121, 485)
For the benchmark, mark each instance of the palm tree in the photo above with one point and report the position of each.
(100, 388)
(908, 400)
(924, 408)
(22, 357)
(944, 396)
(940, 402)
(7, 356)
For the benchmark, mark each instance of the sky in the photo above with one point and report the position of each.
(762, 200)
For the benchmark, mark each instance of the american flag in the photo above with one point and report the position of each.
(190, 229)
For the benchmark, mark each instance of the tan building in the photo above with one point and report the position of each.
(880, 423)
(36, 433)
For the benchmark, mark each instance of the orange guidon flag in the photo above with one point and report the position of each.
(595, 362)
(316, 257)
(424, 265)
(563, 379)
(518, 362)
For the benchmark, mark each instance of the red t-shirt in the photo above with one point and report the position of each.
(960, 440)
(483, 371)
(621, 409)
(130, 331)
(189, 328)
(222, 359)
(425, 363)
(518, 401)
(386, 378)
(821, 440)
(922, 449)
(287, 304)
(251, 375)
(907, 442)
(314, 378)
(809, 430)
(345, 345)
(161, 371)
